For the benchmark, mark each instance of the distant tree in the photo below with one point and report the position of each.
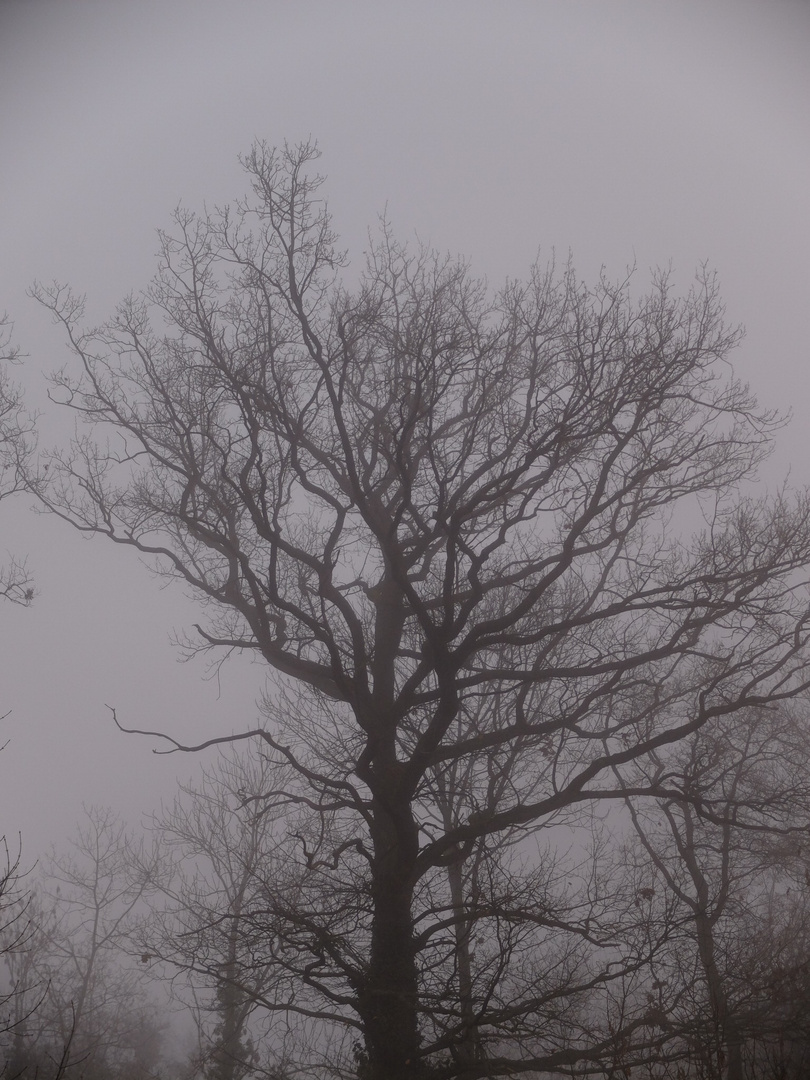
(15, 432)
(740, 792)
(14, 586)
(495, 539)
(13, 932)
(206, 862)
(80, 998)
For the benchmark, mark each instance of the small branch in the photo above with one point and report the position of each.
(256, 732)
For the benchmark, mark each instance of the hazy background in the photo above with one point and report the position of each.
(628, 131)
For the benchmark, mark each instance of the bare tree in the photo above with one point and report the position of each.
(206, 863)
(15, 432)
(80, 998)
(14, 930)
(498, 534)
(740, 794)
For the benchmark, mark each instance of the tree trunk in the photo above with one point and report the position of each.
(734, 1048)
(388, 1001)
(728, 1041)
(229, 1055)
(469, 1045)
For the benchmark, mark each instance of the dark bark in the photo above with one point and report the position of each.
(388, 1001)
(469, 1047)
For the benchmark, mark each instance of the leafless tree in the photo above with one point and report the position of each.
(496, 534)
(15, 433)
(206, 863)
(80, 999)
(740, 801)
(13, 932)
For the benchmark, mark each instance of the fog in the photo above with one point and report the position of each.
(630, 133)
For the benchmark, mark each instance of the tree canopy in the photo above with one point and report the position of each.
(495, 548)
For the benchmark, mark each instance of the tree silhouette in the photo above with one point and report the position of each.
(15, 434)
(491, 548)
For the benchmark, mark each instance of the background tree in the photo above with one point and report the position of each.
(81, 1001)
(739, 801)
(15, 429)
(14, 930)
(15, 432)
(206, 865)
(458, 528)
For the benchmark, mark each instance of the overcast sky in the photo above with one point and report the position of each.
(625, 131)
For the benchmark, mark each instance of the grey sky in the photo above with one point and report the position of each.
(626, 130)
